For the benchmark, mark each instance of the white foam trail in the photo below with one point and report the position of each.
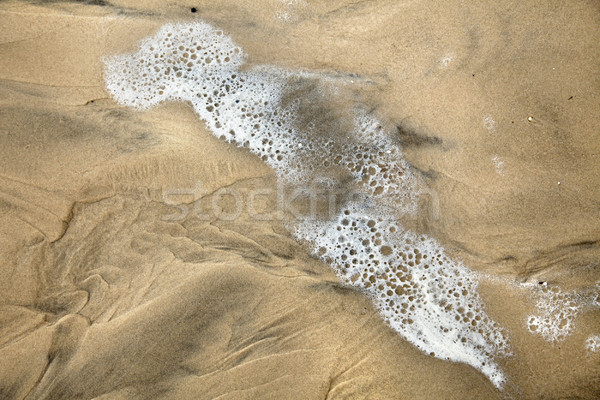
(426, 297)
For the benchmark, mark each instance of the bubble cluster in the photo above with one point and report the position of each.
(199, 64)
(379, 165)
(424, 295)
(556, 313)
(593, 344)
(163, 65)
(557, 309)
(428, 298)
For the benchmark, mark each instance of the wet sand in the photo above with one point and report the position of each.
(494, 106)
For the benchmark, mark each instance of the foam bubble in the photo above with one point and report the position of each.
(557, 309)
(425, 296)
(593, 344)
(556, 313)
(489, 123)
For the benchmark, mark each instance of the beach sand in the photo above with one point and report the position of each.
(104, 295)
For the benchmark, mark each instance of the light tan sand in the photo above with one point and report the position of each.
(101, 297)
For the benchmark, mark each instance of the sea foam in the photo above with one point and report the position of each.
(428, 298)
(557, 310)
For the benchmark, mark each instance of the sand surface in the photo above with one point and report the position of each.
(104, 295)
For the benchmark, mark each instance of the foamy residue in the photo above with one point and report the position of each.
(557, 309)
(556, 313)
(429, 299)
(593, 343)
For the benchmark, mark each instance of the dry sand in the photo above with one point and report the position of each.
(102, 297)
